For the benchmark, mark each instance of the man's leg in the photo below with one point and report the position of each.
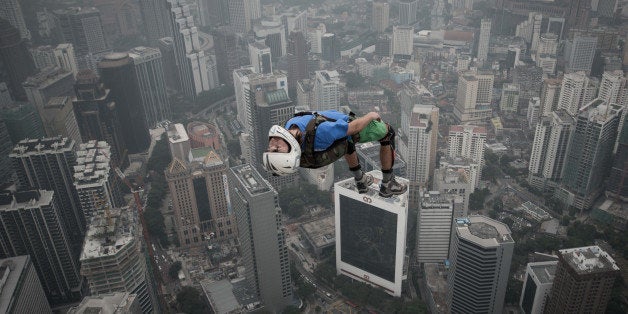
(362, 181)
(389, 186)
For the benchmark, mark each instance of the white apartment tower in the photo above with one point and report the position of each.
(455, 179)
(419, 149)
(612, 87)
(480, 254)
(537, 286)
(178, 141)
(485, 36)
(576, 91)
(190, 58)
(474, 95)
(326, 91)
(434, 223)
(241, 86)
(260, 57)
(550, 94)
(467, 141)
(378, 258)
(402, 40)
(381, 15)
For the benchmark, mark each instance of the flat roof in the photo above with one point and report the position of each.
(220, 294)
(14, 266)
(92, 163)
(589, 259)
(483, 231)
(321, 232)
(177, 133)
(544, 271)
(397, 200)
(251, 179)
(108, 234)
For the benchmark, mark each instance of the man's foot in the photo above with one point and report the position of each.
(391, 188)
(364, 183)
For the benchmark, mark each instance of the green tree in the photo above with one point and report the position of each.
(155, 225)
(189, 301)
(354, 80)
(513, 290)
(476, 199)
(305, 290)
(173, 271)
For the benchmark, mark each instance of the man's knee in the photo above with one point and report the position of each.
(389, 139)
(350, 148)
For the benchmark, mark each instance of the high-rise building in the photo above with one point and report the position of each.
(607, 8)
(225, 44)
(294, 21)
(474, 96)
(57, 117)
(65, 58)
(273, 34)
(5, 94)
(455, 179)
(166, 47)
(15, 58)
(112, 258)
(21, 289)
(485, 36)
(156, 19)
(480, 255)
(617, 185)
(95, 181)
(297, 60)
(117, 73)
(326, 91)
(97, 115)
(178, 141)
(408, 11)
(48, 163)
(82, 27)
(579, 53)
(262, 237)
(190, 57)
(549, 149)
(434, 221)
(584, 174)
(577, 14)
(467, 141)
(201, 205)
(510, 98)
(575, 92)
(149, 75)
(583, 282)
(241, 14)
(6, 171)
(330, 47)
(419, 144)
(402, 40)
(548, 45)
(530, 80)
(550, 94)
(123, 302)
(371, 235)
(50, 82)
(11, 11)
(43, 56)
(22, 121)
(612, 87)
(32, 225)
(242, 89)
(537, 286)
(381, 16)
(260, 57)
(314, 36)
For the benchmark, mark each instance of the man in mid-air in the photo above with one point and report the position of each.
(317, 139)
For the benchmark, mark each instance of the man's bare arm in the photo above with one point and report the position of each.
(360, 123)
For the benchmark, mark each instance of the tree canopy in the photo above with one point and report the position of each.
(190, 301)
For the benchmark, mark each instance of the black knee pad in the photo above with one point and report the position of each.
(389, 139)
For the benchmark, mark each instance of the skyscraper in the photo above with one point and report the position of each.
(225, 44)
(326, 91)
(467, 141)
(261, 237)
(48, 163)
(371, 235)
(259, 55)
(474, 96)
(190, 58)
(612, 87)
(549, 149)
(617, 185)
(510, 98)
(402, 40)
(537, 286)
(58, 119)
(21, 289)
(584, 280)
(6, 171)
(95, 181)
(575, 92)
(117, 73)
(112, 259)
(242, 13)
(97, 115)
(82, 27)
(50, 82)
(480, 254)
(330, 47)
(485, 36)
(578, 14)
(156, 19)
(149, 75)
(584, 174)
(579, 53)
(434, 223)
(32, 225)
(381, 16)
(407, 11)
(297, 61)
(418, 149)
(178, 141)
(65, 58)
(242, 88)
(11, 11)
(550, 94)
(22, 121)
(455, 179)
(17, 62)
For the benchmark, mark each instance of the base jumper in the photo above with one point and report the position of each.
(316, 139)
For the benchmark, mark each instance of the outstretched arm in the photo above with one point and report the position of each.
(360, 123)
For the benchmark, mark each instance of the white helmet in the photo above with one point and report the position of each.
(282, 164)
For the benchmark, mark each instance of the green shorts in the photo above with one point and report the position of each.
(374, 131)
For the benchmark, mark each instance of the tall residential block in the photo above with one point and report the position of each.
(47, 164)
(96, 183)
(22, 291)
(408, 11)
(434, 221)
(17, 61)
(474, 96)
(584, 174)
(326, 91)
(456, 179)
(83, 28)
(149, 75)
(485, 35)
(550, 94)
(576, 90)
(190, 58)
(66, 58)
(467, 141)
(612, 87)
(371, 235)
(32, 225)
(262, 237)
(537, 286)
(11, 11)
(583, 282)
(97, 115)
(381, 16)
(480, 255)
(118, 74)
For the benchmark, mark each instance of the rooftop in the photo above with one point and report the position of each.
(24, 199)
(47, 77)
(348, 185)
(92, 163)
(251, 179)
(321, 232)
(10, 272)
(109, 233)
(544, 271)
(468, 128)
(110, 303)
(177, 133)
(483, 231)
(220, 295)
(587, 260)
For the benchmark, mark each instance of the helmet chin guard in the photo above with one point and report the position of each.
(282, 164)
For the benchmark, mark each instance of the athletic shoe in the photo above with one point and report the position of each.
(392, 187)
(364, 183)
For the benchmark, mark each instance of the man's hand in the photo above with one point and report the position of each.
(360, 123)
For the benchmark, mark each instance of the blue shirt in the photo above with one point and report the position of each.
(327, 132)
